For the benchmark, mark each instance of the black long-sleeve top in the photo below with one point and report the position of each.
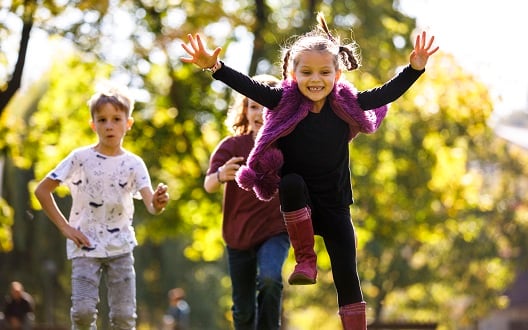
(317, 149)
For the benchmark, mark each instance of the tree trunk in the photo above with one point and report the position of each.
(14, 83)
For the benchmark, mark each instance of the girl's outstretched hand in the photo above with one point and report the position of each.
(199, 55)
(423, 48)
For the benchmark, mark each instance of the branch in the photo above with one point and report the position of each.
(14, 83)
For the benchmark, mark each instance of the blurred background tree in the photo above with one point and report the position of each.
(439, 208)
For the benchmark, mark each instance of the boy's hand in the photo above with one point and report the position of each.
(76, 236)
(160, 198)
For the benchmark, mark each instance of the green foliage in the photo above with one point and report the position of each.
(6, 221)
(62, 122)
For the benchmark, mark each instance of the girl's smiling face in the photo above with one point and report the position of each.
(316, 73)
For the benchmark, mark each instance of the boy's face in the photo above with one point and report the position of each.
(111, 125)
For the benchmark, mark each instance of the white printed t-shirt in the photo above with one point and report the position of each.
(102, 189)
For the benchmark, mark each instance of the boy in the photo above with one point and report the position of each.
(103, 179)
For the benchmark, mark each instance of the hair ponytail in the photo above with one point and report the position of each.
(285, 61)
(347, 53)
(323, 26)
(348, 57)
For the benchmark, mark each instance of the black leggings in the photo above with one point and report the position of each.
(335, 227)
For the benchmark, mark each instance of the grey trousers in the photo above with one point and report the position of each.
(121, 288)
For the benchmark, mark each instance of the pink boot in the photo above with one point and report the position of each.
(354, 316)
(300, 230)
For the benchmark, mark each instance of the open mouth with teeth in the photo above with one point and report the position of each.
(315, 89)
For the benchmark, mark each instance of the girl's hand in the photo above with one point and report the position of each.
(227, 172)
(199, 55)
(422, 50)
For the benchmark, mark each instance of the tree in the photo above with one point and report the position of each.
(41, 15)
(416, 220)
(14, 83)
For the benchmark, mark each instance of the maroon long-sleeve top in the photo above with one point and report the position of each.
(247, 221)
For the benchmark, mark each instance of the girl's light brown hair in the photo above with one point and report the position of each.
(320, 39)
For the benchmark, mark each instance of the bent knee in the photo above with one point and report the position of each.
(292, 182)
(123, 319)
(243, 317)
(292, 192)
(270, 282)
(83, 315)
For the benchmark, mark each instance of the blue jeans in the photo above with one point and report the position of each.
(256, 279)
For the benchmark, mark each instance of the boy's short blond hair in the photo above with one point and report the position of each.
(117, 95)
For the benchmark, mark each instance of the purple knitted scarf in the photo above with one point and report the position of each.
(261, 172)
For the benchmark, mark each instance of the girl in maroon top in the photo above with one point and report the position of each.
(254, 231)
(302, 149)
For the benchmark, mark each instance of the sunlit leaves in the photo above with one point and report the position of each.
(62, 122)
(6, 221)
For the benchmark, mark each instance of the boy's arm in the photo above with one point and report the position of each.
(44, 193)
(155, 201)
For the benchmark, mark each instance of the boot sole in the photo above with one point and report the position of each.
(301, 280)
